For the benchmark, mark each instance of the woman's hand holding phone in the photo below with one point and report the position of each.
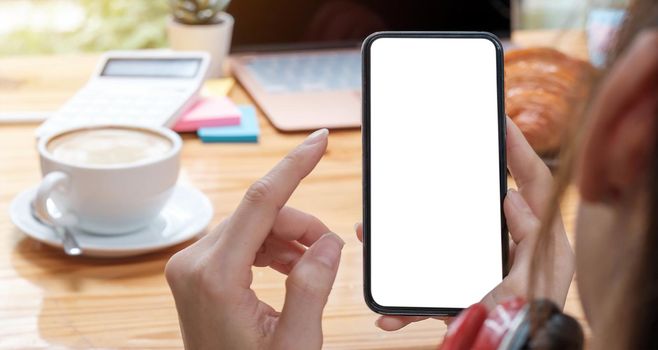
(522, 207)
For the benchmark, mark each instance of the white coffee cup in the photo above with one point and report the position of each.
(107, 187)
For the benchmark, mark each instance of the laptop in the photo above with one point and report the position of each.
(300, 59)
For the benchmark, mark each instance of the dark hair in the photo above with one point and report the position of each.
(558, 332)
(636, 318)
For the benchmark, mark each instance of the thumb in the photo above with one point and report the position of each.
(307, 289)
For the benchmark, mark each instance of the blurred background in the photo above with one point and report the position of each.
(63, 26)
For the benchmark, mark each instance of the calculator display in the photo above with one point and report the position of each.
(151, 68)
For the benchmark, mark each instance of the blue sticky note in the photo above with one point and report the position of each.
(247, 131)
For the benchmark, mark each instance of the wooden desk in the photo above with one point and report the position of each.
(48, 300)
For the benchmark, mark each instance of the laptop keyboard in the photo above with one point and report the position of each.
(308, 72)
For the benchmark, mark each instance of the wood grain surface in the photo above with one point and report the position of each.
(49, 300)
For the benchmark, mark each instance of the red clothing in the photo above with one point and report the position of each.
(478, 329)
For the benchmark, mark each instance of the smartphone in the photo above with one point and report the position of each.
(435, 239)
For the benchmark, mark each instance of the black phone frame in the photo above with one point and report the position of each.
(365, 128)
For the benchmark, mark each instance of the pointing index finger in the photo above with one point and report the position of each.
(256, 213)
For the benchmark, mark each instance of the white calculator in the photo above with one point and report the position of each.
(134, 87)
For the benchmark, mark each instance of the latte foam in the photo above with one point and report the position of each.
(108, 146)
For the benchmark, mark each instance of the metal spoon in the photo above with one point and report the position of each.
(71, 246)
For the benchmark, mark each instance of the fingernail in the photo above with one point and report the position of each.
(316, 136)
(356, 226)
(327, 249)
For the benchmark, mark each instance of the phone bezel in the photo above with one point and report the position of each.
(426, 311)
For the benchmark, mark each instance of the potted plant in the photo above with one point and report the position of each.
(202, 25)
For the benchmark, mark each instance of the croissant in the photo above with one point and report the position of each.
(541, 87)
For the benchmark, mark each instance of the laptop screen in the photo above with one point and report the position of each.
(281, 24)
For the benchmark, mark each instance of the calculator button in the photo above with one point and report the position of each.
(125, 105)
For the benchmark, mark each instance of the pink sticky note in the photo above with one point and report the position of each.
(208, 111)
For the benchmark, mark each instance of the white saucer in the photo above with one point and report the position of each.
(187, 213)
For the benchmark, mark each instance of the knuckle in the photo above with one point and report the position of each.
(207, 282)
(293, 157)
(304, 281)
(529, 232)
(180, 271)
(292, 162)
(210, 284)
(531, 222)
(259, 191)
(184, 275)
(311, 220)
(173, 269)
(314, 219)
(523, 219)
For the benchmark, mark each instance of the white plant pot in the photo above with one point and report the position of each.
(212, 38)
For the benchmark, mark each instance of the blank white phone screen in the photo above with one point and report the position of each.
(435, 234)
